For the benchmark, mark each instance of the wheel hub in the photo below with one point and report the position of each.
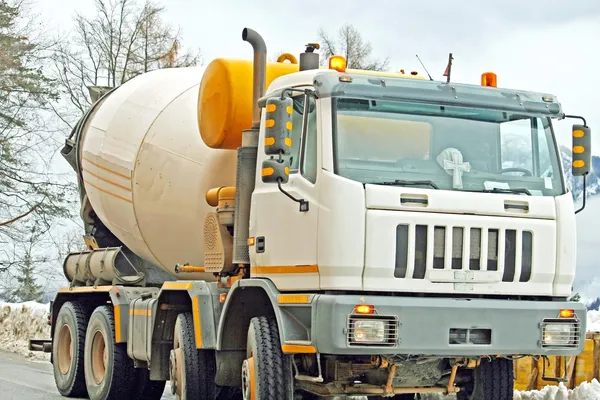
(248, 382)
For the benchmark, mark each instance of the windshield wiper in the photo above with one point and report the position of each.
(502, 190)
(400, 182)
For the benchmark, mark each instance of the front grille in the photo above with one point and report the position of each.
(572, 338)
(391, 324)
(509, 251)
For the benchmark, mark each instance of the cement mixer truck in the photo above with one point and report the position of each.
(287, 230)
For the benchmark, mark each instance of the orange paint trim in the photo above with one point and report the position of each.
(299, 349)
(293, 299)
(106, 180)
(177, 285)
(107, 169)
(108, 192)
(197, 329)
(117, 309)
(140, 312)
(292, 269)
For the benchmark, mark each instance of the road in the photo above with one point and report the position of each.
(21, 378)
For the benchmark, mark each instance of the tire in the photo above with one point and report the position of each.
(492, 380)
(113, 378)
(147, 389)
(267, 371)
(68, 350)
(195, 377)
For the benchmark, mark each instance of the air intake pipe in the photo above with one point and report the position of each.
(259, 71)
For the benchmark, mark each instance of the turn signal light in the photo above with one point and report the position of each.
(364, 309)
(567, 313)
(489, 79)
(338, 63)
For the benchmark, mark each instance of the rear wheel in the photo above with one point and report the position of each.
(266, 372)
(109, 372)
(492, 380)
(68, 350)
(192, 371)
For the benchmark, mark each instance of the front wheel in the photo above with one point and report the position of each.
(266, 371)
(492, 380)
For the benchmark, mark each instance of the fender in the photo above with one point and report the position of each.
(249, 298)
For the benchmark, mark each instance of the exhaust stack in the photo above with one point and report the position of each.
(259, 70)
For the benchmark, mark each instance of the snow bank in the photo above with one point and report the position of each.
(20, 322)
(593, 321)
(585, 391)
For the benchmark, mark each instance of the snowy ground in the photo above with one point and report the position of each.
(23, 321)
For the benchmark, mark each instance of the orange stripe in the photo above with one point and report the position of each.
(107, 169)
(107, 180)
(117, 309)
(108, 192)
(292, 269)
(295, 348)
(196, 317)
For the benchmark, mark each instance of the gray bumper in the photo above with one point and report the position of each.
(424, 324)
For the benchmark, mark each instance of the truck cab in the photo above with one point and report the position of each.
(413, 186)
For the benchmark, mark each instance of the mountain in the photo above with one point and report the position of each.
(575, 184)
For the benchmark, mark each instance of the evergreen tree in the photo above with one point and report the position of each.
(27, 289)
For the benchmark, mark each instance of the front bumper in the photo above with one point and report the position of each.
(438, 326)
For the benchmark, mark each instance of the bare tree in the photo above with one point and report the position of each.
(350, 44)
(122, 40)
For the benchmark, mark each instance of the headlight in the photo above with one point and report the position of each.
(369, 331)
(558, 334)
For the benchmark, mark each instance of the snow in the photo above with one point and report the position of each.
(20, 322)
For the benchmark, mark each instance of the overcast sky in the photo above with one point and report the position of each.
(545, 45)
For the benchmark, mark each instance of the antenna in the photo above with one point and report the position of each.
(430, 78)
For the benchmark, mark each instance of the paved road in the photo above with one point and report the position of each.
(21, 378)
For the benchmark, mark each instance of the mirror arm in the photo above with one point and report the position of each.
(584, 195)
(577, 117)
(303, 203)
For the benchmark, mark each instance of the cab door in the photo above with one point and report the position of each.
(285, 248)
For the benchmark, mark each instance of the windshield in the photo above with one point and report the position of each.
(442, 147)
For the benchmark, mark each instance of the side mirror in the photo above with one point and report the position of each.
(278, 126)
(275, 171)
(582, 147)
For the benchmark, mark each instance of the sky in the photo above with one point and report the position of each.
(544, 45)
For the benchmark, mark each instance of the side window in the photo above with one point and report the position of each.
(309, 147)
(296, 133)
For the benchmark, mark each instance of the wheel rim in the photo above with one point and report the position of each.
(99, 356)
(248, 379)
(65, 349)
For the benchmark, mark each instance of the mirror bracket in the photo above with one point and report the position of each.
(303, 203)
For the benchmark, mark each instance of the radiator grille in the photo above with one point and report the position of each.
(420, 248)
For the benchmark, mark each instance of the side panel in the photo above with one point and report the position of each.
(566, 246)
